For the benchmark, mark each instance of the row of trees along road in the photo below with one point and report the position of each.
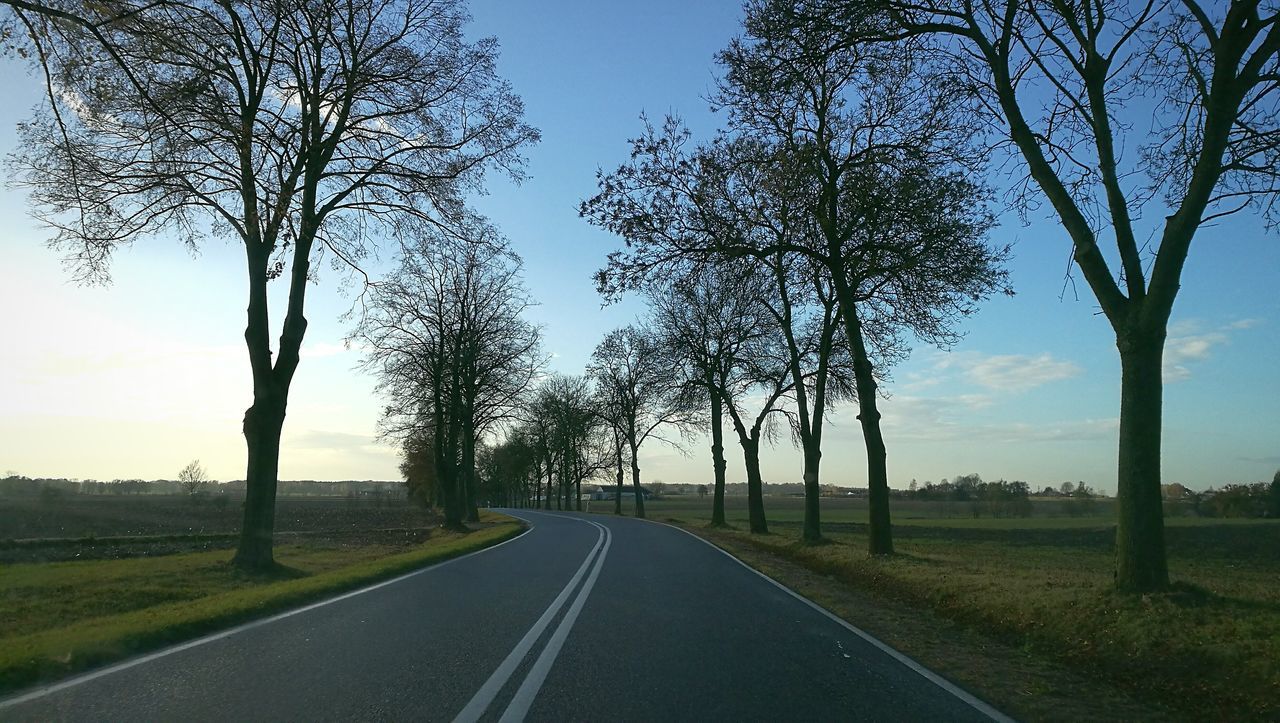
(446, 337)
(1193, 89)
(856, 129)
(844, 176)
(300, 129)
(562, 437)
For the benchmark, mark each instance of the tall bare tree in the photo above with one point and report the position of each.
(299, 128)
(869, 139)
(641, 397)
(898, 234)
(1132, 118)
(193, 477)
(804, 307)
(577, 448)
(707, 324)
(453, 354)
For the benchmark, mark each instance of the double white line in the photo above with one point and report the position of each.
(537, 674)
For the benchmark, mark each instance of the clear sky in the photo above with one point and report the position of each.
(138, 378)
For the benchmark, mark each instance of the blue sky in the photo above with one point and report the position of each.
(136, 379)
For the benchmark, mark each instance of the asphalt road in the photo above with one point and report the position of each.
(587, 617)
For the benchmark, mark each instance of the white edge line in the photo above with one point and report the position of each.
(524, 696)
(955, 690)
(125, 665)
(497, 680)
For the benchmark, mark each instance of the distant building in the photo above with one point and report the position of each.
(610, 492)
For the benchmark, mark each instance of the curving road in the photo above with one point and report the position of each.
(580, 618)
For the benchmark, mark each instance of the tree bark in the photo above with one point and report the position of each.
(561, 483)
(812, 511)
(469, 473)
(617, 498)
(1141, 565)
(546, 498)
(577, 485)
(717, 460)
(263, 423)
(880, 533)
(755, 485)
(635, 480)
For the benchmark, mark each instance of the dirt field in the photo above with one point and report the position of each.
(81, 527)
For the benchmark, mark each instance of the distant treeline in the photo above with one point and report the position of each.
(998, 499)
(773, 489)
(1259, 499)
(21, 486)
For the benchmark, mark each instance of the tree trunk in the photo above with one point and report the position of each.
(880, 533)
(717, 459)
(546, 498)
(617, 498)
(755, 485)
(447, 478)
(263, 423)
(1140, 551)
(469, 473)
(577, 485)
(812, 525)
(454, 507)
(635, 481)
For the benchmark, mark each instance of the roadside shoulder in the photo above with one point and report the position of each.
(1009, 678)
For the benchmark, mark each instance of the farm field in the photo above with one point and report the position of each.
(110, 515)
(1210, 647)
(1046, 513)
(125, 575)
(95, 526)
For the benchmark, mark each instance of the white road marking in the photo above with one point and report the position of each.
(480, 702)
(70, 682)
(523, 699)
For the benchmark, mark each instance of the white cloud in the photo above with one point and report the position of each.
(952, 419)
(1190, 342)
(1010, 372)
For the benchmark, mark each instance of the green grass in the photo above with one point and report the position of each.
(58, 618)
(1210, 647)
(854, 510)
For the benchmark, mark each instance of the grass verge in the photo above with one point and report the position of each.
(60, 618)
(1035, 628)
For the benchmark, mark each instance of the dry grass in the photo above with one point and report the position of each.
(57, 618)
(1209, 648)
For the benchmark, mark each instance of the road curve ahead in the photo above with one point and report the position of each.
(583, 617)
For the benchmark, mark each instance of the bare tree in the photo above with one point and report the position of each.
(867, 139)
(453, 354)
(193, 477)
(506, 469)
(1064, 83)
(867, 143)
(299, 128)
(641, 397)
(715, 322)
(806, 311)
(706, 323)
(575, 435)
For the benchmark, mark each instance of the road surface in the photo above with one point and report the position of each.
(583, 617)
